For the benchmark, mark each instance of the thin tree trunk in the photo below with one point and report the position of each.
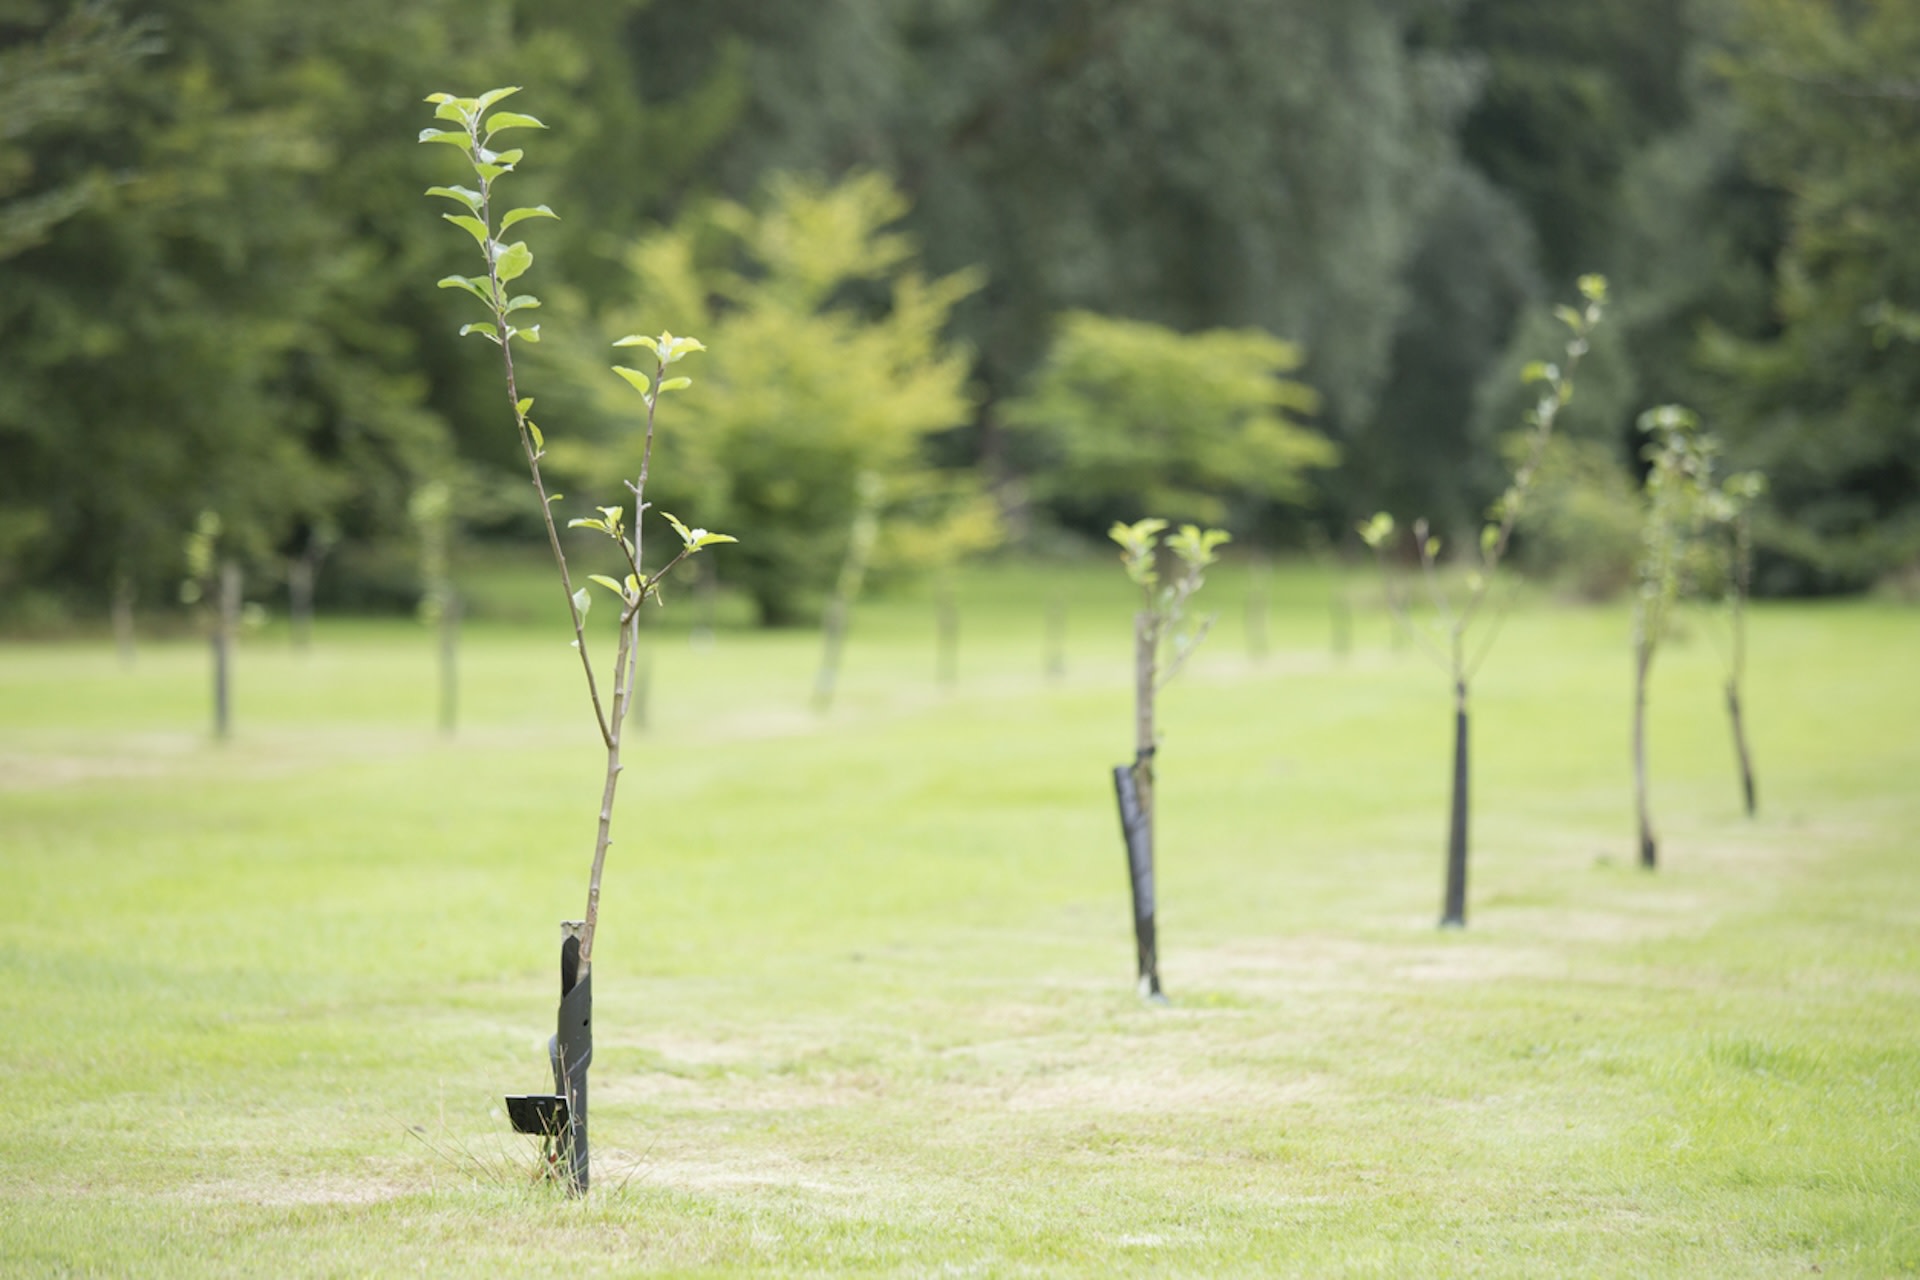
(123, 619)
(225, 624)
(642, 685)
(1145, 676)
(706, 589)
(833, 638)
(1454, 909)
(1056, 648)
(947, 637)
(300, 602)
(1257, 612)
(1740, 747)
(449, 662)
(1649, 847)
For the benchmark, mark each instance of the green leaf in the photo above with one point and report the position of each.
(511, 120)
(472, 284)
(588, 522)
(511, 262)
(485, 329)
(539, 441)
(531, 333)
(452, 137)
(639, 340)
(471, 225)
(1569, 317)
(471, 199)
(521, 302)
(704, 539)
(523, 406)
(608, 583)
(1376, 531)
(676, 384)
(521, 215)
(582, 602)
(686, 535)
(639, 380)
(490, 171)
(672, 348)
(492, 96)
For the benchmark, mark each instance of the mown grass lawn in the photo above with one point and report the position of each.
(864, 981)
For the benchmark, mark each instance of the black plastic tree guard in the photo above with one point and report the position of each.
(1139, 837)
(1454, 912)
(561, 1116)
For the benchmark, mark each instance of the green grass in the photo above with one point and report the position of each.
(864, 982)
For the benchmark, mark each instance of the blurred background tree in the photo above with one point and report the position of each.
(837, 368)
(210, 244)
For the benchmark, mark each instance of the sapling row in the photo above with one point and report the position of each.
(475, 124)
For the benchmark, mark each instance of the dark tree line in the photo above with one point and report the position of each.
(211, 242)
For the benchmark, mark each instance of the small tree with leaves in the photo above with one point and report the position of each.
(1450, 639)
(431, 509)
(1679, 478)
(1161, 646)
(475, 123)
(1731, 508)
(213, 586)
(1696, 541)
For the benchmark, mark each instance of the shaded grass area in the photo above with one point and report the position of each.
(864, 981)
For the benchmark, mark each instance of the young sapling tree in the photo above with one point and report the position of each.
(1448, 639)
(213, 582)
(475, 123)
(1161, 646)
(122, 611)
(1731, 507)
(861, 537)
(1679, 476)
(303, 570)
(1054, 651)
(431, 508)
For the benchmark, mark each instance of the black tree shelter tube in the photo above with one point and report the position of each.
(571, 1053)
(1454, 914)
(560, 1118)
(1134, 826)
(1740, 748)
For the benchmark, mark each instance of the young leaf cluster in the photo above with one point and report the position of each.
(1696, 534)
(1164, 602)
(1554, 382)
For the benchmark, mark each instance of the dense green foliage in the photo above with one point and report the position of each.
(837, 373)
(1126, 417)
(210, 242)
